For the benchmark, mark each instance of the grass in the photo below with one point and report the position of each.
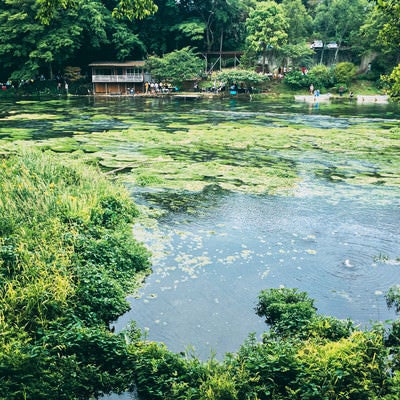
(359, 87)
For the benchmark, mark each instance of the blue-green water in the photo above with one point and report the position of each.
(214, 261)
(214, 251)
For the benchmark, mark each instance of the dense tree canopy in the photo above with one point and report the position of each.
(43, 37)
(124, 8)
(176, 67)
(390, 34)
(267, 28)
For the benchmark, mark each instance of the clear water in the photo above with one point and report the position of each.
(216, 252)
(211, 264)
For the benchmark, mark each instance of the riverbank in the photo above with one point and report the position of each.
(276, 88)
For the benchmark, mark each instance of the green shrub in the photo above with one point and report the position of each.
(271, 368)
(321, 77)
(67, 262)
(296, 80)
(219, 385)
(345, 72)
(349, 368)
(393, 83)
(286, 310)
(160, 374)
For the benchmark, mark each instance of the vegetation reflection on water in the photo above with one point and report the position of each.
(328, 226)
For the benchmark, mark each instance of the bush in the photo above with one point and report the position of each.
(296, 80)
(393, 83)
(67, 258)
(285, 309)
(345, 72)
(321, 77)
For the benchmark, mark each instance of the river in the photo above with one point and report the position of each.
(218, 249)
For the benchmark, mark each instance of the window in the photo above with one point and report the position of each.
(102, 71)
(133, 71)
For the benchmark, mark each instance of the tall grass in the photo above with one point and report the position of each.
(66, 255)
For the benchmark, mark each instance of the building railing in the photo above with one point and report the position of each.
(118, 78)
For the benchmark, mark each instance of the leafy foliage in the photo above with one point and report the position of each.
(393, 298)
(286, 310)
(67, 258)
(390, 33)
(321, 76)
(393, 82)
(267, 29)
(297, 80)
(41, 37)
(267, 25)
(291, 313)
(348, 368)
(176, 67)
(345, 72)
(125, 8)
(239, 76)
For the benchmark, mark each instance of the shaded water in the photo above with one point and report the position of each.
(215, 251)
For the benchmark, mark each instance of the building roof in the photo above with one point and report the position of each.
(117, 64)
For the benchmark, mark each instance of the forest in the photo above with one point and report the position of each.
(42, 38)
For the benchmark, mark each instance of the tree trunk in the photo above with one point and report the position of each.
(220, 49)
(50, 71)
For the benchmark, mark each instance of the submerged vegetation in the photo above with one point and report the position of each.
(68, 258)
(259, 153)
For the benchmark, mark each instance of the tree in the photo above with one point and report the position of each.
(298, 54)
(390, 33)
(223, 21)
(390, 37)
(300, 22)
(25, 45)
(296, 51)
(266, 29)
(161, 32)
(28, 48)
(337, 19)
(130, 9)
(249, 79)
(176, 67)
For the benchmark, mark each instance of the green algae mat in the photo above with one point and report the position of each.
(250, 147)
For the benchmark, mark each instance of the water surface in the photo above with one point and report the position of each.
(214, 250)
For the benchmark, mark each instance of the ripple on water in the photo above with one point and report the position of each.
(213, 265)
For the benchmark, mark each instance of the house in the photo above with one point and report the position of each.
(119, 77)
